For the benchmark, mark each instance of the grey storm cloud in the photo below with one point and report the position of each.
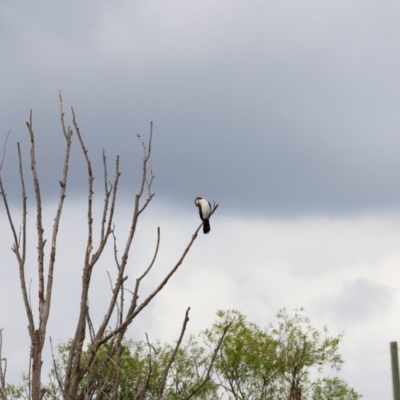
(269, 108)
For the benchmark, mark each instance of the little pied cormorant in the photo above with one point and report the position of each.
(205, 212)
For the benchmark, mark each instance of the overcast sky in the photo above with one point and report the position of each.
(286, 113)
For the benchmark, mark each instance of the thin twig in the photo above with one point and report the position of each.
(146, 384)
(173, 356)
(115, 249)
(107, 192)
(90, 326)
(138, 280)
(4, 150)
(55, 366)
(210, 366)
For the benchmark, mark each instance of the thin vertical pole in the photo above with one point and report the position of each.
(394, 355)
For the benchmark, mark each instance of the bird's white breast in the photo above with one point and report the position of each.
(205, 208)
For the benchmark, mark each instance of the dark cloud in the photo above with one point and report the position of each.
(269, 108)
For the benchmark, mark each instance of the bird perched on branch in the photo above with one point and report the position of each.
(205, 212)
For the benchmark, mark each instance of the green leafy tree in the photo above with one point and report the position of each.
(278, 362)
(287, 360)
(303, 350)
(246, 366)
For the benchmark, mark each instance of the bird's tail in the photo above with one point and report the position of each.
(206, 226)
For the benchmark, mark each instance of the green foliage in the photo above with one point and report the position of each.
(246, 365)
(333, 389)
(141, 371)
(303, 349)
(277, 362)
(16, 391)
(285, 361)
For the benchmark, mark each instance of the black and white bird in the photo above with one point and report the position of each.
(205, 212)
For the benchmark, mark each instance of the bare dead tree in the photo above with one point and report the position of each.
(82, 369)
(37, 330)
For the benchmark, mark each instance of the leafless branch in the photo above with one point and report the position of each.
(134, 312)
(90, 326)
(4, 150)
(39, 220)
(138, 280)
(115, 250)
(107, 193)
(122, 264)
(210, 366)
(146, 384)
(173, 355)
(63, 184)
(73, 364)
(55, 366)
(17, 245)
